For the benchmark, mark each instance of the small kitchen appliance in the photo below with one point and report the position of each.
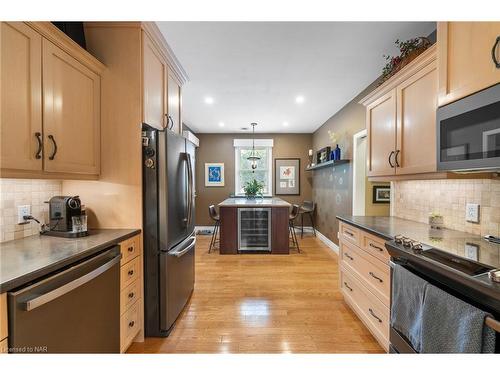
(63, 212)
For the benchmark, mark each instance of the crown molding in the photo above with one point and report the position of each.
(154, 32)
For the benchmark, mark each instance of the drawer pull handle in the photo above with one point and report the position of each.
(376, 277)
(347, 286)
(131, 295)
(375, 316)
(131, 272)
(349, 233)
(130, 249)
(493, 54)
(376, 247)
(348, 256)
(131, 324)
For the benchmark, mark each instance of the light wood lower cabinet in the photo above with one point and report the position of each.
(4, 346)
(3, 324)
(131, 296)
(365, 280)
(466, 52)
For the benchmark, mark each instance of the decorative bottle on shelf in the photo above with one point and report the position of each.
(336, 155)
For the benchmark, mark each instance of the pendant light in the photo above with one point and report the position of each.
(253, 157)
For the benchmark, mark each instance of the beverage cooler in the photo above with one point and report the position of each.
(254, 229)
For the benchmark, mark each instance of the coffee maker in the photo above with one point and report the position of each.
(62, 209)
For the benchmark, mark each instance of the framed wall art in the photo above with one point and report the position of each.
(381, 194)
(214, 174)
(287, 176)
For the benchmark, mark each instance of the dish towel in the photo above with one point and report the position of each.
(408, 291)
(450, 325)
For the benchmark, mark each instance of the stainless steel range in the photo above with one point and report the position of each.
(465, 279)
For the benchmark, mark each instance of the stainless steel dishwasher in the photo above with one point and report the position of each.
(76, 310)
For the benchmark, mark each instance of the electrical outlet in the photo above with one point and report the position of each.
(472, 212)
(22, 211)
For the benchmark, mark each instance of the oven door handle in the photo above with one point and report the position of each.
(72, 285)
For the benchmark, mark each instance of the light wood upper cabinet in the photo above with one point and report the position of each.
(71, 116)
(174, 102)
(465, 58)
(401, 120)
(416, 100)
(381, 130)
(155, 82)
(21, 97)
(50, 104)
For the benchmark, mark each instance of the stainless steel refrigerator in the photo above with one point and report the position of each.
(169, 238)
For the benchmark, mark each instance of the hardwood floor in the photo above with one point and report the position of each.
(265, 304)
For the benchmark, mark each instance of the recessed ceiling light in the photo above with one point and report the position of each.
(209, 100)
(221, 124)
(285, 123)
(299, 99)
(244, 128)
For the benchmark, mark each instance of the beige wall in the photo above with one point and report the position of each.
(16, 192)
(414, 200)
(218, 148)
(375, 209)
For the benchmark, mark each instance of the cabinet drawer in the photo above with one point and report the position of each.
(130, 248)
(129, 295)
(373, 314)
(3, 316)
(130, 272)
(374, 274)
(4, 348)
(350, 233)
(376, 247)
(130, 325)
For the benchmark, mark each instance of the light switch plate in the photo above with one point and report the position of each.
(472, 251)
(22, 211)
(472, 212)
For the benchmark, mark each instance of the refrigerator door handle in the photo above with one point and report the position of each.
(179, 253)
(66, 288)
(190, 189)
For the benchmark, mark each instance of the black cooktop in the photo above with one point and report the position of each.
(466, 266)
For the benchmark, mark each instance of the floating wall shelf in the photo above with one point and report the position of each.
(331, 163)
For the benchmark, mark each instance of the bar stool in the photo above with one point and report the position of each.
(215, 217)
(291, 225)
(307, 208)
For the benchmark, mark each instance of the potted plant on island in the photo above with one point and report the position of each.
(253, 189)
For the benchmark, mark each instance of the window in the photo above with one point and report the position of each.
(244, 172)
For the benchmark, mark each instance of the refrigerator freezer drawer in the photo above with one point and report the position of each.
(178, 269)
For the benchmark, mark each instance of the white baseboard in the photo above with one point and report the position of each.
(332, 245)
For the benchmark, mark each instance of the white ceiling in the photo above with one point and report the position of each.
(255, 70)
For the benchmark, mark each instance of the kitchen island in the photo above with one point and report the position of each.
(257, 225)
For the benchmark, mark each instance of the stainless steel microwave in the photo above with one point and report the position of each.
(468, 133)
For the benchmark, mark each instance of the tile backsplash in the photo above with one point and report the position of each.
(15, 192)
(415, 200)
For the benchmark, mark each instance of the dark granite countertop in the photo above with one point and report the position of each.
(463, 244)
(29, 258)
